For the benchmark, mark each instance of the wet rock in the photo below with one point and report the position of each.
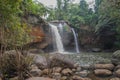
(60, 60)
(102, 72)
(104, 66)
(57, 69)
(36, 72)
(39, 78)
(56, 76)
(66, 71)
(115, 78)
(117, 73)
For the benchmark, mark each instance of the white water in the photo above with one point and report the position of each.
(76, 41)
(57, 37)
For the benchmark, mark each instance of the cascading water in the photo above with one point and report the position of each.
(76, 41)
(57, 37)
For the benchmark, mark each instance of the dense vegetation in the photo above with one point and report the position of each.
(104, 17)
(13, 28)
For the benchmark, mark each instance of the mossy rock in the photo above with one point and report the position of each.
(116, 54)
(116, 57)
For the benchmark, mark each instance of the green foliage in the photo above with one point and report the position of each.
(14, 31)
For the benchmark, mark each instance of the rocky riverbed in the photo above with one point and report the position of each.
(86, 59)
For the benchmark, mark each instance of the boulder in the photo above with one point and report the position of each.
(39, 78)
(115, 61)
(115, 78)
(80, 78)
(66, 71)
(40, 61)
(116, 57)
(64, 78)
(84, 73)
(117, 73)
(0, 78)
(60, 60)
(14, 78)
(117, 67)
(78, 69)
(104, 66)
(46, 71)
(96, 49)
(56, 76)
(102, 72)
(36, 72)
(57, 69)
(75, 77)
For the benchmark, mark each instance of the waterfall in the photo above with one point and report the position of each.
(76, 41)
(57, 38)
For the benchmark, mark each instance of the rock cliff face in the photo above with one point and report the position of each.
(40, 32)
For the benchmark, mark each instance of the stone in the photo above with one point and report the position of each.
(116, 54)
(117, 73)
(84, 73)
(80, 78)
(116, 57)
(39, 78)
(14, 78)
(75, 77)
(115, 78)
(40, 61)
(76, 65)
(64, 78)
(115, 61)
(33, 67)
(86, 79)
(104, 66)
(0, 78)
(78, 69)
(102, 72)
(36, 72)
(117, 67)
(46, 71)
(57, 69)
(60, 60)
(66, 71)
(73, 70)
(56, 76)
(96, 49)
